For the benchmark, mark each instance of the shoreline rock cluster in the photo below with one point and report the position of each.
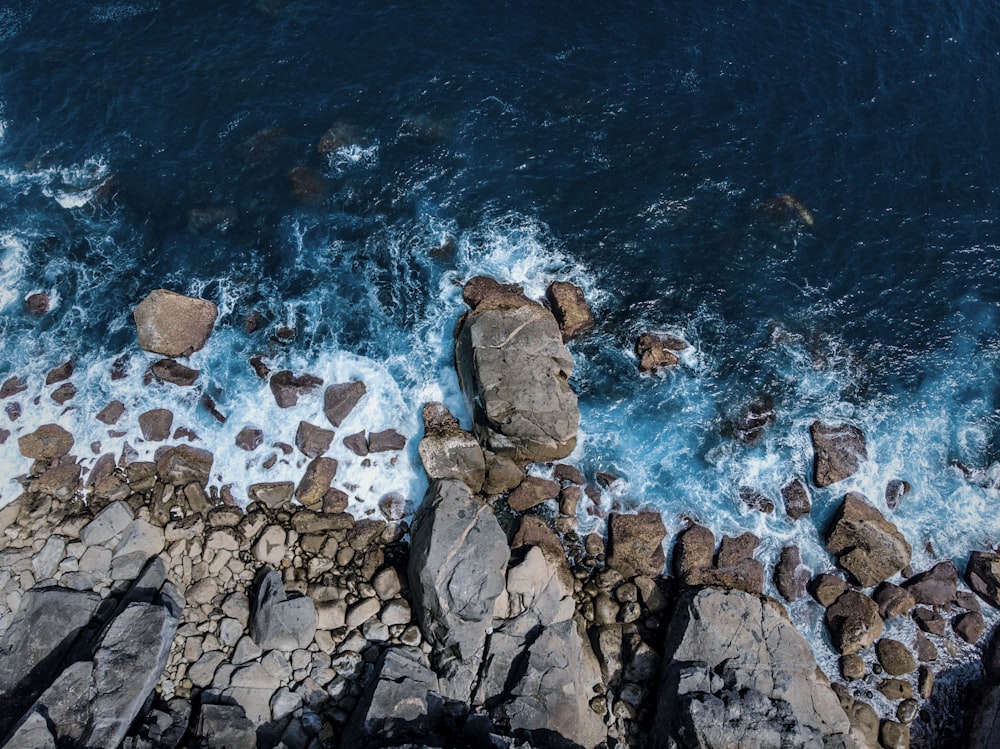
(143, 610)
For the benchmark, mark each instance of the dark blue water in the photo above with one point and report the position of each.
(632, 149)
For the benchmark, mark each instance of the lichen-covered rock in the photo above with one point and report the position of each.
(866, 544)
(514, 371)
(172, 324)
(839, 449)
(737, 673)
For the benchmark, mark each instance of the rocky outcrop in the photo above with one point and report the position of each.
(172, 324)
(448, 451)
(658, 351)
(983, 575)
(514, 370)
(854, 622)
(570, 308)
(839, 449)
(866, 544)
(983, 727)
(737, 673)
(635, 543)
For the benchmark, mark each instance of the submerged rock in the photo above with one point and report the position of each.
(171, 370)
(172, 324)
(797, 501)
(657, 351)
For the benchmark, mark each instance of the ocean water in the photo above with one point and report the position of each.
(636, 150)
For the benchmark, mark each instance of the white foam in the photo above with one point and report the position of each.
(13, 260)
(353, 155)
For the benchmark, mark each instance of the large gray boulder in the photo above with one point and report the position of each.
(867, 545)
(172, 324)
(737, 673)
(278, 622)
(514, 371)
(458, 556)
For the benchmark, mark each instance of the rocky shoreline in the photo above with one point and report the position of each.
(143, 608)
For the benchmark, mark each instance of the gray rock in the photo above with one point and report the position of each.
(46, 560)
(514, 371)
(983, 575)
(32, 733)
(738, 673)
(225, 727)
(984, 726)
(172, 324)
(938, 586)
(866, 544)
(400, 704)
(839, 449)
(449, 452)
(458, 556)
(279, 622)
(272, 494)
(386, 441)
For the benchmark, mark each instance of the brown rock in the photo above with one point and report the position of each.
(385, 441)
(111, 413)
(37, 304)
(569, 474)
(60, 481)
(938, 586)
(983, 575)
(734, 550)
(45, 443)
(923, 647)
(896, 689)
(120, 367)
(839, 450)
(657, 351)
(357, 443)
(790, 577)
(155, 424)
(437, 418)
(12, 386)
(209, 405)
(63, 393)
(312, 440)
(336, 501)
(827, 588)
(259, 367)
(502, 474)
(13, 410)
(925, 682)
(866, 544)
(532, 531)
(968, 601)
(4, 435)
(316, 481)
(893, 735)
(797, 500)
(969, 626)
(491, 294)
(171, 370)
(929, 621)
(183, 465)
(340, 399)
(895, 657)
(853, 622)
(532, 491)
(570, 309)
(693, 551)
(893, 601)
(894, 492)
(172, 324)
(852, 667)
(63, 372)
(907, 711)
(755, 500)
(249, 438)
(273, 494)
(635, 543)
(863, 718)
(569, 500)
(287, 388)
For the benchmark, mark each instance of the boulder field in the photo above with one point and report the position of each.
(141, 608)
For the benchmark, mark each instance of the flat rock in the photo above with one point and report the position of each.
(48, 442)
(386, 441)
(839, 449)
(172, 324)
(316, 481)
(867, 545)
(532, 491)
(63, 372)
(635, 543)
(312, 440)
(111, 413)
(339, 400)
(155, 424)
(570, 308)
(514, 372)
(249, 438)
(225, 727)
(172, 371)
(278, 622)
(12, 386)
(449, 452)
(938, 586)
(287, 388)
(184, 465)
(273, 494)
(853, 621)
(107, 524)
(64, 393)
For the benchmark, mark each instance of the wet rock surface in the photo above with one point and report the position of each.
(172, 324)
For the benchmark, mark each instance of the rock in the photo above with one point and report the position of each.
(929, 621)
(790, 576)
(63, 393)
(48, 442)
(839, 449)
(635, 543)
(172, 371)
(907, 711)
(553, 695)
(893, 601)
(57, 374)
(340, 399)
(694, 551)
(826, 588)
(400, 704)
(287, 388)
(385, 441)
(107, 524)
(357, 443)
(937, 586)
(46, 560)
(853, 622)
(923, 647)
(895, 657)
(12, 386)
(866, 544)
(32, 733)
(111, 413)
(570, 309)
(225, 727)
(755, 500)
(532, 491)
(864, 720)
(893, 735)
(983, 575)
(13, 411)
(37, 304)
(458, 557)
(278, 622)
(502, 474)
(249, 438)
(485, 292)
(797, 501)
(969, 626)
(754, 421)
(569, 474)
(155, 424)
(737, 673)
(316, 481)
(312, 440)
(270, 546)
(657, 351)
(896, 689)
(273, 494)
(983, 731)
(894, 492)
(59, 481)
(532, 531)
(852, 667)
(514, 369)
(449, 452)
(184, 465)
(172, 324)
